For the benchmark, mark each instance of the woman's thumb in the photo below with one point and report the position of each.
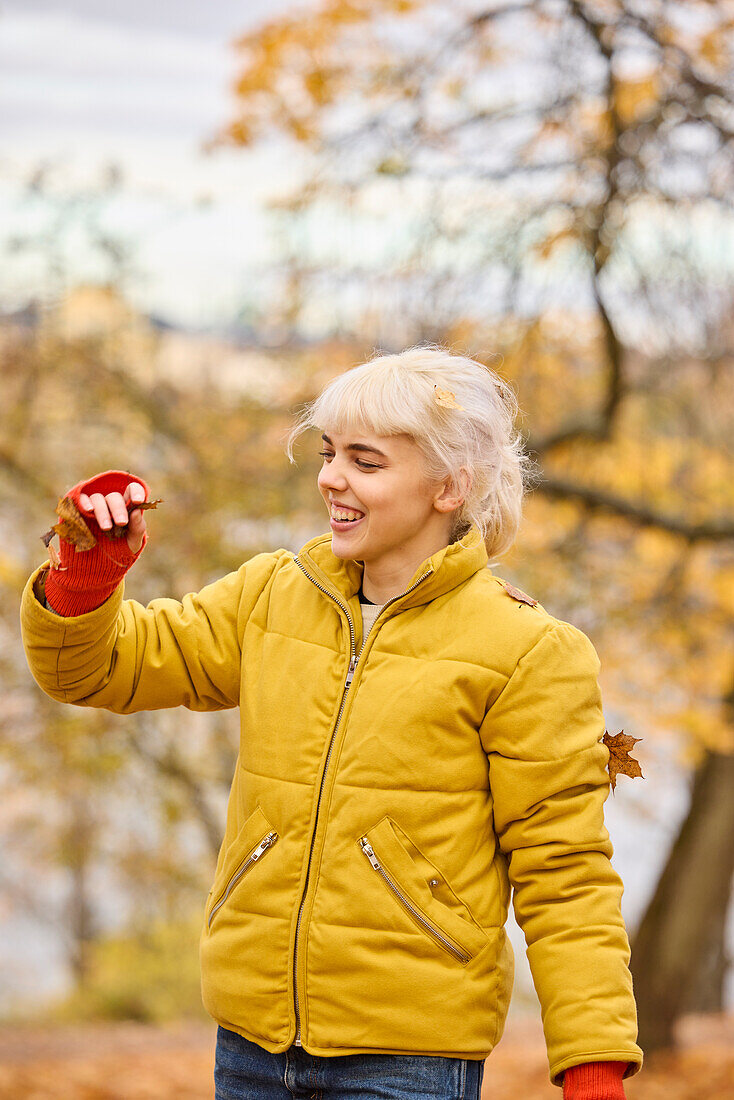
(135, 530)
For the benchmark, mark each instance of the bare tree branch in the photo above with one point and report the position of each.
(600, 500)
(170, 765)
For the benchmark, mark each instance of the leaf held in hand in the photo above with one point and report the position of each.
(55, 560)
(620, 761)
(118, 529)
(74, 530)
(72, 526)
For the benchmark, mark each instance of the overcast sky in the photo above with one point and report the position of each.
(217, 19)
(84, 83)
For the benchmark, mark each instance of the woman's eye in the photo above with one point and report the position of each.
(364, 465)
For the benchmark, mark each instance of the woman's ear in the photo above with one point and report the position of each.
(447, 499)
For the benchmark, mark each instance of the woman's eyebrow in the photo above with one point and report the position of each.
(357, 447)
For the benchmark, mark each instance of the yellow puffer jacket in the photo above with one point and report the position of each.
(386, 797)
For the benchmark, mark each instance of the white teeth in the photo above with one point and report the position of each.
(343, 514)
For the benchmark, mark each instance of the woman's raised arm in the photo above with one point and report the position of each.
(103, 651)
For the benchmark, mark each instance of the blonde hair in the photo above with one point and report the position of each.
(395, 395)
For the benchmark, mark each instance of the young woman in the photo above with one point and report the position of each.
(418, 739)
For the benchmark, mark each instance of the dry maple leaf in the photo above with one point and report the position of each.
(620, 761)
(446, 398)
(74, 530)
(55, 560)
(518, 594)
(72, 527)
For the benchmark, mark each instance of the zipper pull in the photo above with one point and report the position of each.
(369, 852)
(350, 672)
(264, 845)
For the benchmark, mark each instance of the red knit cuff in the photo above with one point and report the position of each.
(594, 1081)
(92, 582)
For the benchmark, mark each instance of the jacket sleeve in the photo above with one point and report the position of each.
(125, 657)
(549, 781)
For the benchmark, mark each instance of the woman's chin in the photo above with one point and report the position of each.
(344, 546)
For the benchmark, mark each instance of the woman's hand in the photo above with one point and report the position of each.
(119, 508)
(84, 579)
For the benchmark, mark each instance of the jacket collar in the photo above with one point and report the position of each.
(446, 569)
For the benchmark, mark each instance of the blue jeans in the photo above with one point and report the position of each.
(245, 1071)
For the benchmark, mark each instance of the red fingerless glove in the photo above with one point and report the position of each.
(89, 577)
(594, 1081)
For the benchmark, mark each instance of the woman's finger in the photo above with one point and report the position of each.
(118, 508)
(101, 511)
(134, 493)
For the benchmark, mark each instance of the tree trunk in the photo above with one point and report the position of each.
(79, 845)
(678, 953)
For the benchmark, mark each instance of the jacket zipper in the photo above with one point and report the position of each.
(350, 676)
(267, 842)
(370, 853)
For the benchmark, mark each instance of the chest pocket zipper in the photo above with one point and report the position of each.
(453, 949)
(267, 842)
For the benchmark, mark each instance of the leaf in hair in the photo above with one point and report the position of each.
(446, 399)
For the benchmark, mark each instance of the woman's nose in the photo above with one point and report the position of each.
(331, 475)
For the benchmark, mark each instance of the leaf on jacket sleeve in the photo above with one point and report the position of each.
(620, 761)
(518, 594)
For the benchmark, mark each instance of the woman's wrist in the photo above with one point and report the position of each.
(88, 580)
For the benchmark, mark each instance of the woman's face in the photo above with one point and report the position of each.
(382, 478)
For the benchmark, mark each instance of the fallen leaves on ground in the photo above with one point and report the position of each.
(130, 1061)
(106, 1061)
(700, 1068)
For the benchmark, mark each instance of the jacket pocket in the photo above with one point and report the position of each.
(389, 859)
(254, 840)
